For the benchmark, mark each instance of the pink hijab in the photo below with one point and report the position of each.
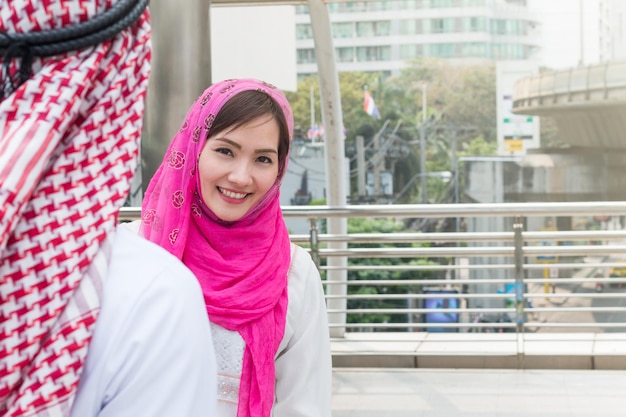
(242, 266)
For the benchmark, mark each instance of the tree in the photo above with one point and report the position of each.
(478, 146)
(351, 85)
(459, 96)
(365, 225)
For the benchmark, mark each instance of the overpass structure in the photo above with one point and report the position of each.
(587, 103)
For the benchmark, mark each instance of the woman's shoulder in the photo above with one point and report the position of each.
(306, 310)
(139, 268)
(304, 277)
(302, 266)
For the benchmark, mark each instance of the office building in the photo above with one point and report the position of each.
(385, 35)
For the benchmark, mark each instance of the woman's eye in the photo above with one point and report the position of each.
(265, 159)
(224, 151)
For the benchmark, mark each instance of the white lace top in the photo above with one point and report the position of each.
(303, 362)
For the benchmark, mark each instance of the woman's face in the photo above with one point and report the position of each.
(237, 167)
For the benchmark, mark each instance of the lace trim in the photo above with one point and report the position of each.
(228, 388)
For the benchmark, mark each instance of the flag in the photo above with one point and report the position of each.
(315, 131)
(370, 106)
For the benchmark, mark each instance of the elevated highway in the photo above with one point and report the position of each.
(587, 103)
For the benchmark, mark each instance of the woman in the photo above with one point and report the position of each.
(214, 203)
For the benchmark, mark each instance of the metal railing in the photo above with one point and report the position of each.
(479, 280)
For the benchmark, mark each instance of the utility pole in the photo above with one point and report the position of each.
(423, 147)
(454, 164)
(360, 159)
(377, 159)
(312, 105)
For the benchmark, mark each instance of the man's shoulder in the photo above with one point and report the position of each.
(138, 263)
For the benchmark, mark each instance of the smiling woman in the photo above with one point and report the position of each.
(214, 203)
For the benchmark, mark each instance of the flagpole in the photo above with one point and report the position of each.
(423, 147)
(312, 104)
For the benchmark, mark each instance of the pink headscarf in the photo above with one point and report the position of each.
(242, 266)
(69, 143)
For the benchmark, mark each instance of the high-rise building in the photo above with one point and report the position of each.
(580, 32)
(385, 35)
(602, 28)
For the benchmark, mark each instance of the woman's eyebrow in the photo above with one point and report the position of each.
(238, 146)
(230, 142)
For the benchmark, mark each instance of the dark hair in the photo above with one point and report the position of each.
(247, 106)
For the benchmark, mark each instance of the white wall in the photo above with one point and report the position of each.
(254, 42)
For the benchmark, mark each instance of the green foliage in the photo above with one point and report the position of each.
(458, 95)
(351, 85)
(479, 147)
(457, 98)
(368, 225)
(317, 202)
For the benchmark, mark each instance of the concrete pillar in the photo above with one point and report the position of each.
(181, 70)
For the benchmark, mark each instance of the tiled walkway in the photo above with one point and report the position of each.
(360, 392)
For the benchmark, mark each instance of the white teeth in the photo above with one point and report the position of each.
(231, 194)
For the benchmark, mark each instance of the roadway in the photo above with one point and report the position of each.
(613, 305)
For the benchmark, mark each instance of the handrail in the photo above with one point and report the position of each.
(440, 210)
(490, 280)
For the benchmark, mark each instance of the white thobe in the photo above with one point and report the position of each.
(151, 353)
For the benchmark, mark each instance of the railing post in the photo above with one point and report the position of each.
(314, 241)
(519, 273)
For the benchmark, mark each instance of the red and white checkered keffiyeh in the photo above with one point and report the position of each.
(69, 140)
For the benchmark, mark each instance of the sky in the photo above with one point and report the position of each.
(560, 32)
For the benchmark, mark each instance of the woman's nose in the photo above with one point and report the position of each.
(240, 174)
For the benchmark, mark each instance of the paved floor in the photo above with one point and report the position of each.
(361, 392)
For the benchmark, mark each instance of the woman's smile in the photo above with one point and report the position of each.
(232, 194)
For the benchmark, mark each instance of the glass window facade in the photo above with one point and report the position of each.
(343, 30)
(442, 3)
(468, 29)
(441, 25)
(475, 50)
(304, 31)
(409, 27)
(410, 51)
(474, 24)
(345, 54)
(369, 29)
(508, 51)
(442, 50)
(306, 56)
(373, 53)
(509, 27)
(376, 6)
(474, 3)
